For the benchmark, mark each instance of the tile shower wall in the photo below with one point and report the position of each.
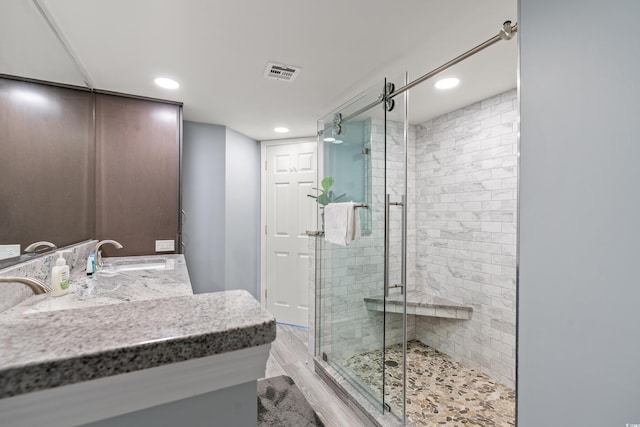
(466, 173)
(460, 237)
(395, 175)
(348, 275)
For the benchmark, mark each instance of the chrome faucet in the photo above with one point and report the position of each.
(98, 252)
(38, 287)
(33, 248)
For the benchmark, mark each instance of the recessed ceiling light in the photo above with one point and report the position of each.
(167, 83)
(329, 139)
(338, 141)
(281, 130)
(447, 83)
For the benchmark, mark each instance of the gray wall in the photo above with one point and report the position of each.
(242, 213)
(221, 195)
(579, 291)
(203, 195)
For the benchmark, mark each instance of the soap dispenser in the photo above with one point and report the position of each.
(60, 276)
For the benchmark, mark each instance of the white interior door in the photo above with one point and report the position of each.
(290, 177)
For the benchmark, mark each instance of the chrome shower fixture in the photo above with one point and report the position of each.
(337, 124)
(508, 31)
(389, 103)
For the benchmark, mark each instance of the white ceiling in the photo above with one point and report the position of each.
(218, 49)
(28, 47)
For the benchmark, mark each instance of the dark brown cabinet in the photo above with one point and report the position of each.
(78, 164)
(137, 173)
(46, 164)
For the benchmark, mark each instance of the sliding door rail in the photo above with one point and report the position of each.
(506, 33)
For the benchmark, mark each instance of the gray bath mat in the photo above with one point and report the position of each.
(281, 403)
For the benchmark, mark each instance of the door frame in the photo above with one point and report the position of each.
(263, 208)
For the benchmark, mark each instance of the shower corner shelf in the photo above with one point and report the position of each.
(420, 304)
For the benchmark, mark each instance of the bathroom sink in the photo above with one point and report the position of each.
(139, 264)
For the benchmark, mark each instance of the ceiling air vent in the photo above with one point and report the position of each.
(287, 73)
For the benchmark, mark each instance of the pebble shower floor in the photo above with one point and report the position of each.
(440, 390)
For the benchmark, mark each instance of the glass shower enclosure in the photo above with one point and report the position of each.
(360, 310)
(451, 356)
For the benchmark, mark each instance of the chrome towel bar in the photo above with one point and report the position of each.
(357, 205)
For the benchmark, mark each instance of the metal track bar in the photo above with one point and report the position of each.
(506, 33)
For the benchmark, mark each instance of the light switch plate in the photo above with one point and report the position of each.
(165, 245)
(9, 251)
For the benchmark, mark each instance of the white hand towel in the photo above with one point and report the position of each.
(356, 224)
(336, 220)
(341, 223)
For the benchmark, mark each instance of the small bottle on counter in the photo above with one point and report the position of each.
(60, 276)
(90, 263)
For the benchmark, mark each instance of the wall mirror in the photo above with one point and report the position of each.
(47, 137)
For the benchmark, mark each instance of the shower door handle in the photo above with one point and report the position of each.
(386, 245)
(387, 204)
(403, 249)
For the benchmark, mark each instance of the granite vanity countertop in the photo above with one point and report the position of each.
(49, 349)
(113, 324)
(125, 286)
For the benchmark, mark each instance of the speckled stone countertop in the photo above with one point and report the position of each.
(42, 346)
(98, 289)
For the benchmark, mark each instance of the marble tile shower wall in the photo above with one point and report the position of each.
(395, 176)
(466, 172)
(461, 229)
(348, 275)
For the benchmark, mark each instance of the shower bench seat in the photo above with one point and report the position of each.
(420, 304)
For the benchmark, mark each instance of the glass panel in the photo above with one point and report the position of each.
(351, 278)
(393, 128)
(29, 48)
(345, 160)
(463, 210)
(47, 138)
(46, 166)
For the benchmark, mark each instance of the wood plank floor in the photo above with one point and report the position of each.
(289, 357)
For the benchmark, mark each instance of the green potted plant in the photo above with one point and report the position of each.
(326, 196)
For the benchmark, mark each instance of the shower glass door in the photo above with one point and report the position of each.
(357, 164)
(394, 356)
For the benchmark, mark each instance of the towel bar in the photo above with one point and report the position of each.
(357, 205)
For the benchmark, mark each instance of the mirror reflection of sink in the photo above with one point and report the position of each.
(136, 264)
